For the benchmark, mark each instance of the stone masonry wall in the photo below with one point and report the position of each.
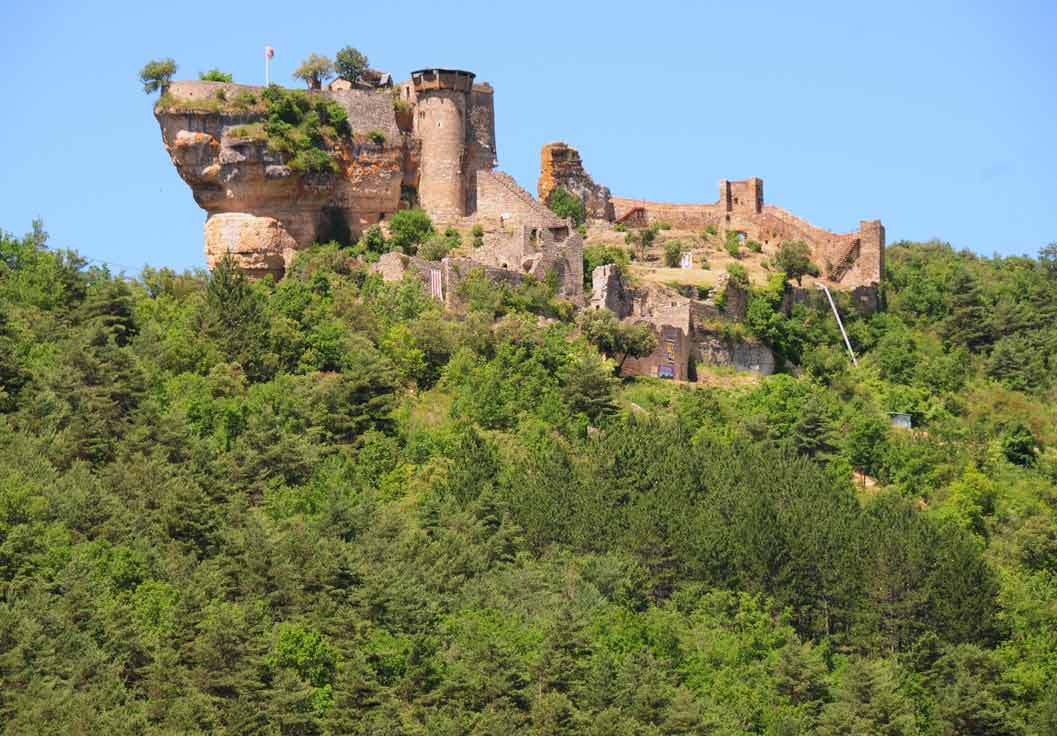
(560, 166)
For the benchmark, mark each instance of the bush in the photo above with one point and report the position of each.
(408, 229)
(620, 227)
(435, 248)
(371, 242)
(245, 99)
(733, 248)
(350, 64)
(214, 75)
(221, 95)
(738, 274)
(673, 253)
(478, 236)
(664, 226)
(376, 136)
(710, 231)
(567, 205)
(304, 127)
(157, 74)
(754, 245)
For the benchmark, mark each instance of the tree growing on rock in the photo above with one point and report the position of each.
(350, 63)
(614, 338)
(157, 74)
(794, 257)
(315, 70)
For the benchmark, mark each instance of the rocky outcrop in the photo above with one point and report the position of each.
(260, 210)
(560, 166)
(743, 355)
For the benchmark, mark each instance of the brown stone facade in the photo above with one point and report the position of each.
(847, 261)
(560, 166)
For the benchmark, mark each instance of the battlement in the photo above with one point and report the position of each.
(456, 80)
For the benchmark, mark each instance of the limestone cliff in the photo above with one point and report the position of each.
(260, 209)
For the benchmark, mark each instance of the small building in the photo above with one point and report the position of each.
(901, 420)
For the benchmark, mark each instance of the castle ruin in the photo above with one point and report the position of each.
(430, 142)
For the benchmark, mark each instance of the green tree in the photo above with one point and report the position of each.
(794, 258)
(350, 64)
(315, 70)
(408, 229)
(157, 74)
(614, 338)
(567, 205)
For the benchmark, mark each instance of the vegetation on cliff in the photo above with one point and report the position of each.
(325, 506)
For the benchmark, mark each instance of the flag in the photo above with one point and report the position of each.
(269, 52)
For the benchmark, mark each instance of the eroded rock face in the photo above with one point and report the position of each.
(560, 166)
(257, 208)
(260, 245)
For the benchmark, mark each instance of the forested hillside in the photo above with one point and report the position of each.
(325, 506)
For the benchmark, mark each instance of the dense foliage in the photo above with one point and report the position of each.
(565, 204)
(325, 506)
(305, 127)
(350, 63)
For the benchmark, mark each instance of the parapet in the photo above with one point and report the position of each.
(458, 80)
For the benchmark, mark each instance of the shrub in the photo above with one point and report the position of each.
(435, 248)
(376, 136)
(620, 227)
(408, 229)
(582, 229)
(710, 231)
(738, 274)
(245, 99)
(453, 237)
(400, 104)
(157, 74)
(221, 95)
(350, 63)
(664, 226)
(304, 127)
(733, 248)
(477, 231)
(371, 242)
(673, 253)
(755, 246)
(564, 204)
(314, 71)
(214, 75)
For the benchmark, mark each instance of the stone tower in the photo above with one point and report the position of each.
(441, 110)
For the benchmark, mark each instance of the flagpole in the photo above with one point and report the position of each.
(266, 60)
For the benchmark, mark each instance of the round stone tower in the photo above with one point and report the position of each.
(441, 107)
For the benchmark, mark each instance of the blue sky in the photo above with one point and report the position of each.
(937, 118)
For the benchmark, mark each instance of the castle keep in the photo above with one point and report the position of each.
(430, 142)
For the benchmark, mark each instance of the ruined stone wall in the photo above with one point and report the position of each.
(669, 360)
(500, 199)
(560, 166)
(481, 144)
(714, 349)
(741, 196)
(537, 251)
(680, 216)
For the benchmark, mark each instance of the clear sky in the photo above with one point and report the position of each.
(937, 118)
